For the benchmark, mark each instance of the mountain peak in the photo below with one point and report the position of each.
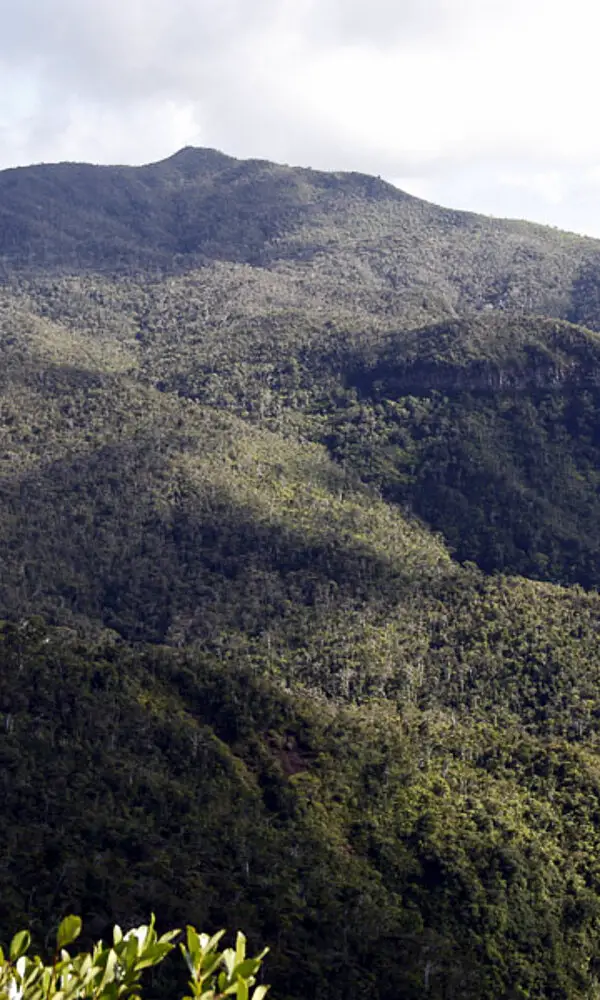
(195, 157)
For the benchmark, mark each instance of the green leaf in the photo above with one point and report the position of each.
(194, 944)
(247, 968)
(108, 992)
(210, 963)
(189, 959)
(129, 952)
(208, 944)
(169, 936)
(260, 992)
(240, 948)
(153, 955)
(229, 961)
(109, 971)
(86, 968)
(69, 929)
(19, 945)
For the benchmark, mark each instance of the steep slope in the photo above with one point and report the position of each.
(488, 429)
(485, 427)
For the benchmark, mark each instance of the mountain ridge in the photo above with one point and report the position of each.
(179, 213)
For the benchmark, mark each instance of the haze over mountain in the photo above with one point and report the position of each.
(275, 445)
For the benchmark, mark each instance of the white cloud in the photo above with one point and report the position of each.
(433, 90)
(548, 185)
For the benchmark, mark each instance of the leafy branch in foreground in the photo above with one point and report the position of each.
(113, 972)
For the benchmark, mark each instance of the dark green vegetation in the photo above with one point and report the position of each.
(248, 415)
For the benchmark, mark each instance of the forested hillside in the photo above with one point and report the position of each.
(299, 524)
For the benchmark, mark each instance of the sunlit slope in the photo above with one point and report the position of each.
(151, 514)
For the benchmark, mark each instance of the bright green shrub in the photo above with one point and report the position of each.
(108, 972)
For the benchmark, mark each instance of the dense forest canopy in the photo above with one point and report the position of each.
(300, 535)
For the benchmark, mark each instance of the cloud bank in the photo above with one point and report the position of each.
(479, 103)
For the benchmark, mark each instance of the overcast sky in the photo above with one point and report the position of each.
(484, 104)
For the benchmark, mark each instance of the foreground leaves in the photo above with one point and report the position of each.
(114, 972)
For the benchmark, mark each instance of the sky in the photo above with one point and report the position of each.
(488, 105)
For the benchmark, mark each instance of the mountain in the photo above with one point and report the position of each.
(299, 520)
(360, 241)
